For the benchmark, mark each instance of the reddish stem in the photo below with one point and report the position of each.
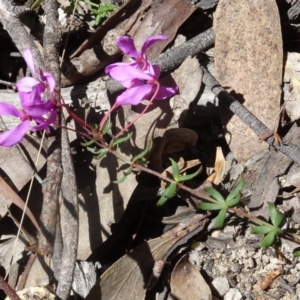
(141, 114)
(8, 290)
(106, 116)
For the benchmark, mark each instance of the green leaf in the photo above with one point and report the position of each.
(236, 190)
(210, 206)
(107, 127)
(120, 140)
(35, 4)
(128, 171)
(93, 150)
(234, 201)
(175, 169)
(69, 9)
(261, 229)
(110, 7)
(122, 179)
(296, 254)
(143, 153)
(220, 218)
(86, 144)
(102, 153)
(275, 215)
(189, 176)
(168, 193)
(214, 193)
(98, 20)
(268, 240)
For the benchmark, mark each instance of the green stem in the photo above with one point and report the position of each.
(91, 3)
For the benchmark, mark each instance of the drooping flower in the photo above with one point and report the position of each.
(32, 92)
(140, 84)
(126, 44)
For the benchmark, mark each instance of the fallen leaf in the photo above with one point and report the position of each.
(187, 282)
(10, 196)
(173, 140)
(128, 277)
(248, 60)
(6, 250)
(219, 168)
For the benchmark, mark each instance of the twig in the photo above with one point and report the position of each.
(9, 291)
(69, 220)
(52, 183)
(9, 18)
(26, 271)
(290, 150)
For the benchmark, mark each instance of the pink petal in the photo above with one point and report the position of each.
(29, 60)
(39, 110)
(152, 40)
(128, 73)
(109, 67)
(154, 70)
(33, 98)
(44, 124)
(126, 44)
(50, 81)
(166, 92)
(14, 136)
(26, 84)
(135, 95)
(9, 110)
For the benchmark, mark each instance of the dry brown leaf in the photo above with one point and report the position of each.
(292, 76)
(16, 167)
(219, 168)
(187, 282)
(248, 60)
(6, 250)
(173, 140)
(128, 277)
(162, 18)
(10, 196)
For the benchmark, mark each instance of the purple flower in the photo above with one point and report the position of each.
(126, 44)
(34, 106)
(140, 84)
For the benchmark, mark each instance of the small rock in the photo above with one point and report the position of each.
(221, 285)
(233, 294)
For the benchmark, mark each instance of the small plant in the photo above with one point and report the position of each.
(270, 230)
(170, 191)
(101, 11)
(138, 159)
(219, 203)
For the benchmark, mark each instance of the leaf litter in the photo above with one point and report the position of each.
(165, 252)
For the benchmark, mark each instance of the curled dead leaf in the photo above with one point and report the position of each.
(219, 168)
(173, 140)
(187, 282)
(127, 278)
